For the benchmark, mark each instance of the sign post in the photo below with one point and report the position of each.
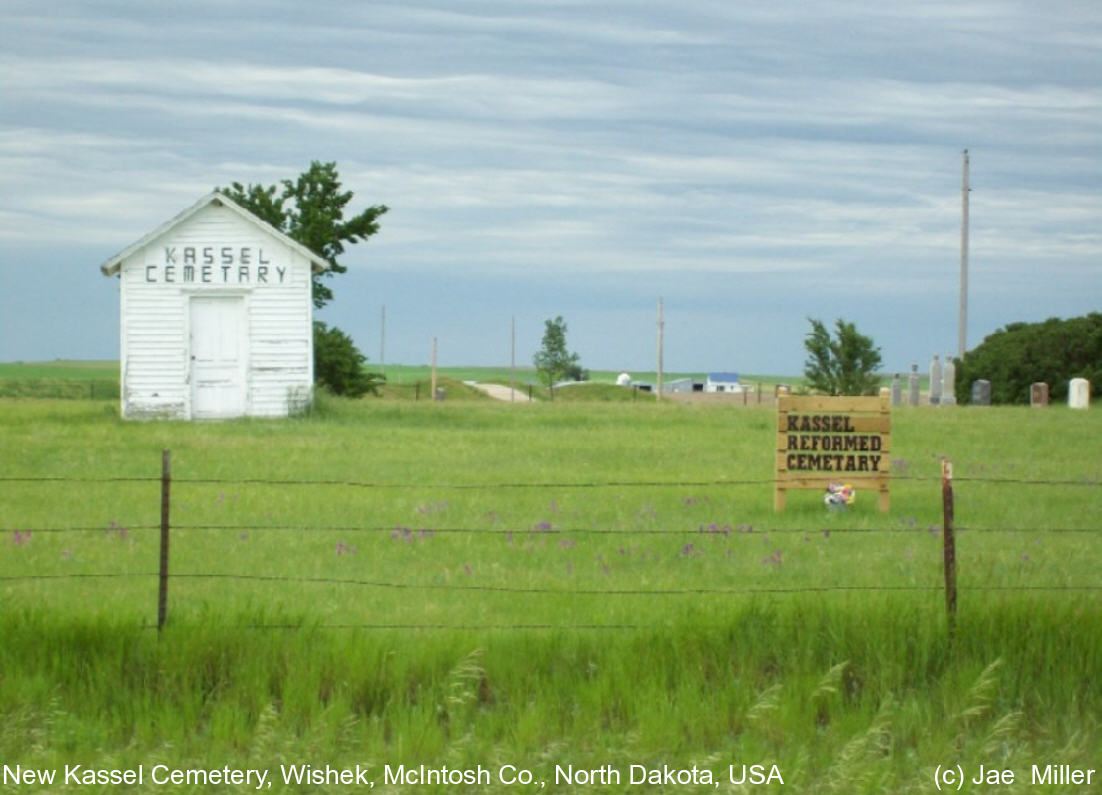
(821, 440)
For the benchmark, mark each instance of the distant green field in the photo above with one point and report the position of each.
(60, 369)
(550, 587)
(100, 380)
(81, 380)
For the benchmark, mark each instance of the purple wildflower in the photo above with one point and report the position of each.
(433, 507)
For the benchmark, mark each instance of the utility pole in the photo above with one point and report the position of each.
(382, 342)
(433, 398)
(513, 360)
(962, 321)
(661, 324)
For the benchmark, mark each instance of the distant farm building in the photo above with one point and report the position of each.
(722, 382)
(216, 317)
(683, 385)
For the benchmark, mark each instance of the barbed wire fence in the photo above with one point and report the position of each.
(166, 527)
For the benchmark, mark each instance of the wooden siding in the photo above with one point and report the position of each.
(155, 343)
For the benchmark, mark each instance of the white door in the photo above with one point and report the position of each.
(218, 345)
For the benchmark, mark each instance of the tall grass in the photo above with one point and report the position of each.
(568, 614)
(860, 691)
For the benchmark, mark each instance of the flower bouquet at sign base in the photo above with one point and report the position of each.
(839, 496)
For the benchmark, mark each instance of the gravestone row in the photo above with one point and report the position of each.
(943, 388)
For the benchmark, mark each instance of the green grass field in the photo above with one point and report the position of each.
(596, 585)
(100, 380)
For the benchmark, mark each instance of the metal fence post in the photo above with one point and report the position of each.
(166, 485)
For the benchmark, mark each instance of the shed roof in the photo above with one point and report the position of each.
(724, 378)
(218, 199)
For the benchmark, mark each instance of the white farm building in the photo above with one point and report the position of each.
(216, 317)
(722, 382)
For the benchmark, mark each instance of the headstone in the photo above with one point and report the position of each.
(897, 390)
(912, 386)
(935, 381)
(948, 381)
(1038, 394)
(1079, 393)
(981, 392)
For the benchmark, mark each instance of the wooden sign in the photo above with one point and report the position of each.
(824, 440)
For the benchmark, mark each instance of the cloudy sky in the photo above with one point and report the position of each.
(752, 164)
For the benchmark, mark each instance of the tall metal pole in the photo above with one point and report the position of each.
(661, 323)
(962, 321)
(513, 360)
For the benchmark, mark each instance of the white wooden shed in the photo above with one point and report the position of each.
(216, 317)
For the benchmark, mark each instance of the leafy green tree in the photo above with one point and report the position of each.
(310, 210)
(844, 364)
(553, 362)
(339, 365)
(1021, 354)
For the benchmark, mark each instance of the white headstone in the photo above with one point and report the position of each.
(949, 381)
(1079, 393)
(912, 386)
(935, 381)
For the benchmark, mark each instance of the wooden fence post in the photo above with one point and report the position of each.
(166, 484)
(780, 494)
(950, 545)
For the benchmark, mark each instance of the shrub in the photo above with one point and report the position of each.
(1021, 354)
(339, 365)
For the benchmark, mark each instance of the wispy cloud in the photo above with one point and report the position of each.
(696, 149)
